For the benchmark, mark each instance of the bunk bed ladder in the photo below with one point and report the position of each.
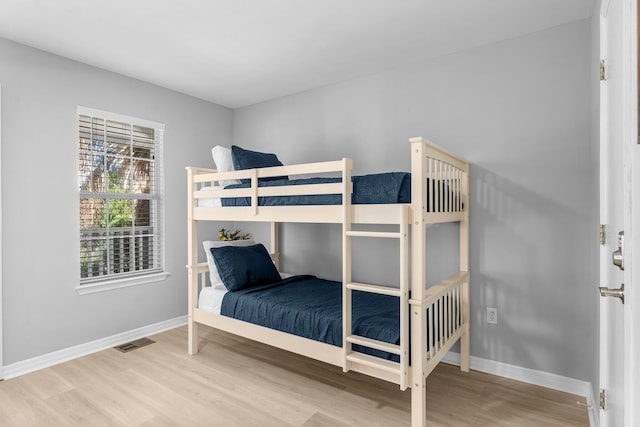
(360, 361)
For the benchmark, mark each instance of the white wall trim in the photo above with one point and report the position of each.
(109, 285)
(594, 412)
(531, 376)
(64, 355)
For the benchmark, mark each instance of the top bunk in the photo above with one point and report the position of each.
(436, 189)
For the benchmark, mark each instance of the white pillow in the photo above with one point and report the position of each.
(224, 163)
(214, 277)
(214, 202)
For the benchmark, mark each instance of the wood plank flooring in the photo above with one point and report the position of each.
(237, 382)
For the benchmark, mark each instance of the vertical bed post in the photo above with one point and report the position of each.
(405, 280)
(192, 261)
(418, 313)
(275, 244)
(465, 352)
(347, 188)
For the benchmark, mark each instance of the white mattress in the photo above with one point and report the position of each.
(210, 299)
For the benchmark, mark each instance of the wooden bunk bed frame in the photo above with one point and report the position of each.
(439, 315)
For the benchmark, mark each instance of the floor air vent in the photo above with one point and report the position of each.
(133, 345)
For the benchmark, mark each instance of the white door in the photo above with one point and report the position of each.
(1, 351)
(631, 158)
(618, 146)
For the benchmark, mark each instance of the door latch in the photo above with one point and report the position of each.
(618, 255)
(616, 293)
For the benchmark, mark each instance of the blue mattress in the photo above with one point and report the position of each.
(384, 188)
(312, 308)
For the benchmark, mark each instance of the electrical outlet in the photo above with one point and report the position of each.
(492, 315)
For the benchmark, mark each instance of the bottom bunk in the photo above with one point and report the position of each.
(303, 314)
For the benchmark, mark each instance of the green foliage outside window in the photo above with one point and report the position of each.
(120, 212)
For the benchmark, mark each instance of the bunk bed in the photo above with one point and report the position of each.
(430, 319)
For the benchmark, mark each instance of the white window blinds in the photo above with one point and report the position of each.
(120, 186)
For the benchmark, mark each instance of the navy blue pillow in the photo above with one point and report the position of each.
(247, 159)
(244, 266)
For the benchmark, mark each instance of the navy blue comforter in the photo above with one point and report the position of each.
(312, 308)
(382, 188)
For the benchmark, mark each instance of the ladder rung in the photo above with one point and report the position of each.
(371, 343)
(374, 362)
(385, 234)
(375, 289)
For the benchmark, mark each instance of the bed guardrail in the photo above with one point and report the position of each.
(206, 178)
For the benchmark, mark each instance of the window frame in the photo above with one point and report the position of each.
(110, 282)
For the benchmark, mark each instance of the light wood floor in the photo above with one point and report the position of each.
(236, 382)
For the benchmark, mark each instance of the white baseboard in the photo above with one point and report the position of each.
(531, 376)
(46, 360)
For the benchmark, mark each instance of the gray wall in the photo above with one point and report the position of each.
(42, 311)
(520, 112)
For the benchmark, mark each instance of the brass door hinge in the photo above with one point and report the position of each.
(602, 234)
(603, 399)
(603, 75)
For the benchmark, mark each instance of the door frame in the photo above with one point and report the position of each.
(604, 200)
(1, 311)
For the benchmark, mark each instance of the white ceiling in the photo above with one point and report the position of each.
(240, 52)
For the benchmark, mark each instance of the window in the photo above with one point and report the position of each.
(120, 187)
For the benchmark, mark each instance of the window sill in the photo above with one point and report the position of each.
(109, 285)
